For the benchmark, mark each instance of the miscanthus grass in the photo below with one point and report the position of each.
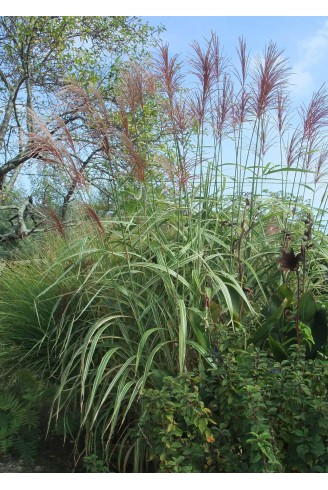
(207, 172)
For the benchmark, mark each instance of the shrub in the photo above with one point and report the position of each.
(22, 402)
(176, 428)
(249, 414)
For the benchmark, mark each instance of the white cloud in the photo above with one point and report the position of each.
(314, 50)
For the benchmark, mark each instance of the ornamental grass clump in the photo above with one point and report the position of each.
(191, 232)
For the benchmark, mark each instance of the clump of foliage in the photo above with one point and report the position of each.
(249, 414)
(93, 464)
(274, 413)
(286, 321)
(74, 315)
(22, 412)
(176, 427)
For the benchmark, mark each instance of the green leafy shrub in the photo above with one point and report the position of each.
(93, 464)
(249, 414)
(21, 404)
(288, 320)
(177, 428)
(276, 413)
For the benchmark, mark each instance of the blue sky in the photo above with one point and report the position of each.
(304, 40)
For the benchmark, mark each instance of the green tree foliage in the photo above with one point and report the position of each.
(41, 54)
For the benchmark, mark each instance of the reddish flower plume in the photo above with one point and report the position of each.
(224, 106)
(293, 148)
(315, 116)
(204, 65)
(269, 78)
(244, 59)
(283, 110)
(55, 221)
(91, 213)
(168, 71)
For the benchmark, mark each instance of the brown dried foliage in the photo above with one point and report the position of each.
(289, 261)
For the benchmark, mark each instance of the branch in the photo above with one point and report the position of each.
(24, 211)
(5, 81)
(2, 208)
(14, 163)
(10, 237)
(9, 109)
(25, 155)
(72, 187)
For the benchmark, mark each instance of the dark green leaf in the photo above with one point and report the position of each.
(307, 307)
(277, 350)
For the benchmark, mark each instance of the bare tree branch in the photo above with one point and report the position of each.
(72, 187)
(26, 154)
(24, 212)
(9, 108)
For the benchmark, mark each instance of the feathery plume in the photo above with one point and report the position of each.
(241, 104)
(91, 213)
(244, 59)
(138, 163)
(315, 116)
(55, 221)
(137, 82)
(169, 71)
(204, 67)
(321, 163)
(293, 148)
(269, 78)
(224, 106)
(282, 112)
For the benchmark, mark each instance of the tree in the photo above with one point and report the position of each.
(39, 55)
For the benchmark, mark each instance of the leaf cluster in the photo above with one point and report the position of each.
(249, 414)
